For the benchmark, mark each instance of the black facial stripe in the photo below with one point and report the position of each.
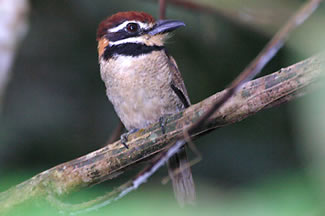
(120, 35)
(129, 49)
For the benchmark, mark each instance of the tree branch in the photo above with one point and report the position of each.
(108, 162)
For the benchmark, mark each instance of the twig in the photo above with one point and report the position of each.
(251, 71)
(262, 59)
(111, 160)
(162, 9)
(234, 18)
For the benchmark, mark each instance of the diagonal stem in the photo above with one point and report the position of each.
(162, 9)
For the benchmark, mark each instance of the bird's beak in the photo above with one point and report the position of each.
(164, 26)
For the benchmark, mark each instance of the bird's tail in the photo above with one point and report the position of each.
(181, 176)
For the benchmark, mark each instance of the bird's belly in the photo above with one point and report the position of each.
(141, 107)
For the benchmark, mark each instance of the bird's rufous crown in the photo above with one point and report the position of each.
(121, 17)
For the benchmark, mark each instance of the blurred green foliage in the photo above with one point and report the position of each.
(56, 109)
(292, 194)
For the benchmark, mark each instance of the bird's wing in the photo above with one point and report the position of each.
(178, 165)
(178, 84)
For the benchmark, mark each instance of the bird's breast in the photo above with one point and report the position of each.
(139, 88)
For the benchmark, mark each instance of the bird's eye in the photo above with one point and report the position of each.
(132, 27)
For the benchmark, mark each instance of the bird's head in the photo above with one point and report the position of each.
(132, 33)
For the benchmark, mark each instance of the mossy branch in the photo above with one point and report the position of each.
(113, 159)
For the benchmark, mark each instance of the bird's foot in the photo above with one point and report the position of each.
(163, 122)
(125, 136)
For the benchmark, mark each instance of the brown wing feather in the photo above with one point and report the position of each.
(178, 80)
(178, 165)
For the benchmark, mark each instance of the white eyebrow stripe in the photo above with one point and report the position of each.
(127, 40)
(124, 24)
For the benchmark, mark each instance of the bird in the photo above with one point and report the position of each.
(143, 82)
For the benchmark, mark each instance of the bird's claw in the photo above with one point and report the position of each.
(125, 137)
(162, 123)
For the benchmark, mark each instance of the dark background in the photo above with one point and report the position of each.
(55, 108)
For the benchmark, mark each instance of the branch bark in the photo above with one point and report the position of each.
(111, 160)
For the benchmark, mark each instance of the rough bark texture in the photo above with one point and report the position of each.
(111, 160)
